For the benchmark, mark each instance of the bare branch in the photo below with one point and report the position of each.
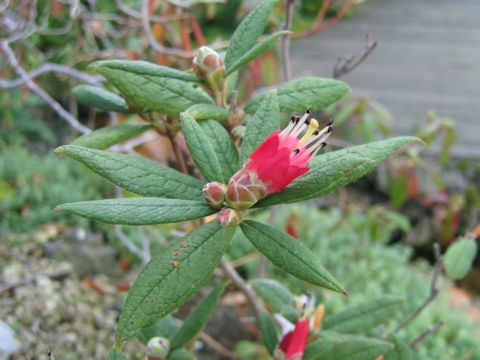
(232, 274)
(287, 71)
(429, 331)
(64, 114)
(47, 67)
(434, 290)
(348, 63)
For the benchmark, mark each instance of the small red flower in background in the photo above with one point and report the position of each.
(282, 157)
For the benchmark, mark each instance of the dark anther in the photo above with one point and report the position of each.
(292, 118)
(297, 119)
(295, 152)
(307, 121)
(330, 129)
(330, 122)
(324, 144)
(316, 132)
(309, 110)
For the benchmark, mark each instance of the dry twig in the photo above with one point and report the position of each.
(348, 63)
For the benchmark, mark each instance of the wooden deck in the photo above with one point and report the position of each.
(428, 57)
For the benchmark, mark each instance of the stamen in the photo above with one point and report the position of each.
(309, 110)
(311, 129)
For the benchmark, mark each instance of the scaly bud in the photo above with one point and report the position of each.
(158, 348)
(245, 189)
(214, 193)
(208, 63)
(229, 217)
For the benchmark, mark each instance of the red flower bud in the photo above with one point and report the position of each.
(292, 345)
(230, 217)
(214, 194)
(208, 63)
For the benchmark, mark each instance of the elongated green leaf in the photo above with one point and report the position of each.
(289, 254)
(139, 175)
(207, 111)
(166, 327)
(110, 135)
(139, 210)
(299, 94)
(247, 33)
(364, 316)
(195, 322)
(401, 350)
(332, 170)
(181, 354)
(100, 98)
(171, 278)
(276, 296)
(269, 333)
(254, 52)
(116, 355)
(211, 148)
(264, 122)
(154, 87)
(459, 258)
(334, 346)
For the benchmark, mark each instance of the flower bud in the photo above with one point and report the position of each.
(244, 189)
(214, 193)
(208, 63)
(158, 348)
(229, 217)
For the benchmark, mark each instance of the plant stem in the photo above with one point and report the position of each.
(287, 71)
(232, 274)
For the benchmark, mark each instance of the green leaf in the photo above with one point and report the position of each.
(247, 33)
(171, 278)
(166, 327)
(116, 355)
(154, 87)
(329, 172)
(401, 350)
(276, 296)
(110, 135)
(459, 258)
(211, 147)
(195, 322)
(181, 354)
(136, 174)
(264, 122)
(100, 98)
(333, 346)
(207, 111)
(269, 333)
(289, 254)
(139, 210)
(364, 316)
(297, 95)
(254, 52)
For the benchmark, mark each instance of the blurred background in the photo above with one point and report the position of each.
(413, 68)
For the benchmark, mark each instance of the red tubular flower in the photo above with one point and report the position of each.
(293, 344)
(282, 157)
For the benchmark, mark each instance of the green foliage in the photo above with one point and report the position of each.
(100, 98)
(459, 258)
(289, 254)
(137, 174)
(195, 322)
(247, 33)
(31, 186)
(269, 333)
(153, 87)
(110, 135)
(207, 111)
(139, 210)
(294, 95)
(211, 148)
(172, 278)
(276, 296)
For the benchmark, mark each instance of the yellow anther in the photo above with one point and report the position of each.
(311, 129)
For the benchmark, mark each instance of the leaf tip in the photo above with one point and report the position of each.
(59, 150)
